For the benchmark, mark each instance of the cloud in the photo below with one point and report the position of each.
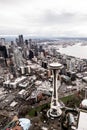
(38, 17)
(9, 2)
(15, 2)
(49, 17)
(52, 17)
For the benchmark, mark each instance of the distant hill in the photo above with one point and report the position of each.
(9, 38)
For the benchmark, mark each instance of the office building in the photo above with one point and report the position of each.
(21, 41)
(2, 41)
(18, 59)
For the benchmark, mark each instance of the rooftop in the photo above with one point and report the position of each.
(82, 125)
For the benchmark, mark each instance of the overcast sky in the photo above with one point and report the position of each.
(47, 18)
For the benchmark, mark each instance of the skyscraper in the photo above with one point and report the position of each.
(30, 43)
(18, 59)
(26, 49)
(4, 53)
(26, 42)
(31, 54)
(21, 41)
(2, 40)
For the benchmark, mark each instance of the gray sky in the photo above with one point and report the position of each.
(48, 18)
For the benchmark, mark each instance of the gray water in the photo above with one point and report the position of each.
(75, 50)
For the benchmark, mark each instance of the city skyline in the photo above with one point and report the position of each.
(48, 18)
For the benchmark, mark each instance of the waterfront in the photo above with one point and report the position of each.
(76, 50)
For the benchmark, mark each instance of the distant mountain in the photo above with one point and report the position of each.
(13, 37)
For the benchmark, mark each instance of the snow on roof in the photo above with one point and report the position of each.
(13, 104)
(69, 87)
(85, 78)
(25, 123)
(82, 125)
(84, 103)
(38, 82)
(22, 91)
(44, 128)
